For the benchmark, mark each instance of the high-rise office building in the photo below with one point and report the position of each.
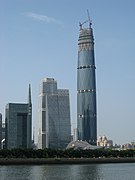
(86, 86)
(54, 129)
(18, 124)
(0, 129)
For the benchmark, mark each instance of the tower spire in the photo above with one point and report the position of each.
(29, 120)
(29, 95)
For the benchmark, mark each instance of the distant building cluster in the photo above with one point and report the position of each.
(128, 146)
(104, 142)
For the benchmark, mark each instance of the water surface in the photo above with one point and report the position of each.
(125, 171)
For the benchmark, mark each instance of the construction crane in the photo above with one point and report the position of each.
(88, 20)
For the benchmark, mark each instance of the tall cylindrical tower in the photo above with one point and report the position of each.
(86, 87)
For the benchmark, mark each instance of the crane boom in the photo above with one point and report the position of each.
(88, 20)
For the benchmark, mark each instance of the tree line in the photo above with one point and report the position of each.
(68, 153)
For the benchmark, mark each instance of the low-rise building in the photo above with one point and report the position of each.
(128, 146)
(104, 142)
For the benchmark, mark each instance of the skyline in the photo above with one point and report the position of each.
(35, 35)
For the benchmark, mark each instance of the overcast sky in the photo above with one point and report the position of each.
(38, 38)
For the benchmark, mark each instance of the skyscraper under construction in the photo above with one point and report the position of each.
(86, 86)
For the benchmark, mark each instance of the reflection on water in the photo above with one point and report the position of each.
(69, 172)
(49, 172)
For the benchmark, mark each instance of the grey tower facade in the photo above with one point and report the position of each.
(54, 129)
(86, 87)
(18, 124)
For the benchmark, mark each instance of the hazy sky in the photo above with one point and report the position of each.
(38, 38)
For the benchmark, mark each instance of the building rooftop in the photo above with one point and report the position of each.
(81, 145)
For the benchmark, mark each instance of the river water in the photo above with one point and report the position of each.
(125, 171)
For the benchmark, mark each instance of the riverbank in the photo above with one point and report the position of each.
(41, 161)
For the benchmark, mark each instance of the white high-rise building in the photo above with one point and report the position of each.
(54, 128)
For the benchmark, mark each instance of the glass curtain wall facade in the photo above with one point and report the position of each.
(54, 116)
(18, 124)
(86, 87)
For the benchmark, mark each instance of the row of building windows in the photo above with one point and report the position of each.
(87, 66)
(87, 90)
(85, 42)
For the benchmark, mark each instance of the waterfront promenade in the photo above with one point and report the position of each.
(42, 161)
